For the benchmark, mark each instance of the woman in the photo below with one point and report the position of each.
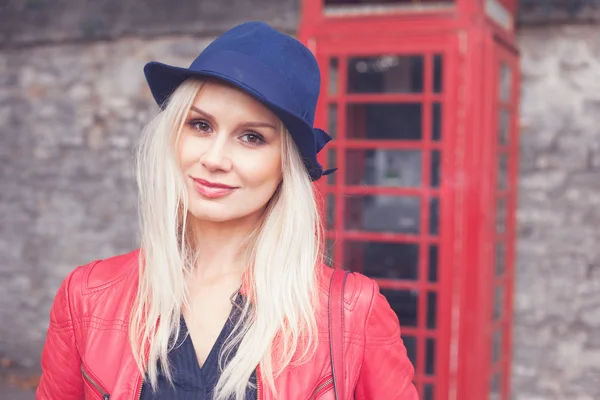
(228, 296)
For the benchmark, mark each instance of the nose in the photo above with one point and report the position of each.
(215, 158)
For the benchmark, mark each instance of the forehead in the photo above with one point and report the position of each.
(221, 99)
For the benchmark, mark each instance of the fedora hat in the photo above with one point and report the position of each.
(272, 67)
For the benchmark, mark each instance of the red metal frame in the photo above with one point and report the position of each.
(473, 48)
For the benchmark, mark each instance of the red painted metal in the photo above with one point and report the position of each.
(473, 49)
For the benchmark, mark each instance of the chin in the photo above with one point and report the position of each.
(215, 212)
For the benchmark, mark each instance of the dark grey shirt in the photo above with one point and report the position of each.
(190, 381)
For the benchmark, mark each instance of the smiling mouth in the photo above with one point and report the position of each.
(212, 190)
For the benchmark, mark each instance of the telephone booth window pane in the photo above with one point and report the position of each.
(333, 76)
(430, 356)
(435, 168)
(331, 163)
(404, 303)
(383, 260)
(329, 246)
(410, 342)
(330, 212)
(503, 127)
(500, 216)
(434, 216)
(496, 342)
(498, 302)
(428, 392)
(395, 214)
(433, 263)
(437, 73)
(431, 310)
(500, 258)
(436, 123)
(367, 2)
(381, 167)
(502, 171)
(495, 387)
(385, 74)
(332, 115)
(400, 121)
(505, 82)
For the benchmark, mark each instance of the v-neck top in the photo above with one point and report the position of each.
(190, 381)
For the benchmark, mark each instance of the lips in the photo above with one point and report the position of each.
(212, 190)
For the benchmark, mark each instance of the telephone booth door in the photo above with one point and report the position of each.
(384, 104)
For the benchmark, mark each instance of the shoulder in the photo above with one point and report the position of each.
(100, 274)
(74, 297)
(359, 290)
(367, 310)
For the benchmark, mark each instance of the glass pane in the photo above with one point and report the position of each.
(330, 212)
(412, 2)
(500, 260)
(431, 309)
(404, 303)
(505, 82)
(436, 161)
(430, 356)
(385, 74)
(434, 216)
(496, 343)
(384, 121)
(495, 387)
(428, 391)
(438, 65)
(332, 115)
(498, 302)
(410, 342)
(502, 171)
(383, 214)
(503, 127)
(331, 163)
(436, 123)
(329, 246)
(383, 260)
(433, 263)
(500, 215)
(381, 167)
(333, 75)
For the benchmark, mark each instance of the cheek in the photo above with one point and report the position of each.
(261, 169)
(187, 152)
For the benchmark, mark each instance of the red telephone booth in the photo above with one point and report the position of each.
(421, 98)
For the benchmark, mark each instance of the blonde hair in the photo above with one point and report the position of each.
(277, 326)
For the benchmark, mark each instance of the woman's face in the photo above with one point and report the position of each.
(230, 154)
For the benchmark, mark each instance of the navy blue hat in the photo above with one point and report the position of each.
(272, 67)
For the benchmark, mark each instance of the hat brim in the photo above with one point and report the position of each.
(164, 79)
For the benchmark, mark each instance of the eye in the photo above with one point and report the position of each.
(199, 125)
(253, 138)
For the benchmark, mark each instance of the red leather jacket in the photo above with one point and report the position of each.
(87, 354)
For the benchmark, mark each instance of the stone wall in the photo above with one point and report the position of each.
(35, 22)
(557, 315)
(72, 103)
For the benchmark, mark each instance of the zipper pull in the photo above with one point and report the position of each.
(106, 397)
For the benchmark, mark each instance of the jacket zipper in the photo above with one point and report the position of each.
(322, 386)
(257, 383)
(139, 396)
(103, 393)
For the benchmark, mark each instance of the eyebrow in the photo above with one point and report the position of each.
(248, 124)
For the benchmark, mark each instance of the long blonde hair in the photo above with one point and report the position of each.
(277, 327)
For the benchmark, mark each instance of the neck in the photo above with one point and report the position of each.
(220, 246)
